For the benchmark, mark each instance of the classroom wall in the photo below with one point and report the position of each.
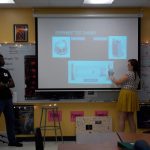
(12, 16)
(9, 17)
(89, 108)
(68, 126)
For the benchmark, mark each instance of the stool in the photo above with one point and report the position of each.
(56, 121)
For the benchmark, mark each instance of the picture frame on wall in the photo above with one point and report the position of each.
(20, 33)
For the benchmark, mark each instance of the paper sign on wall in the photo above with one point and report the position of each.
(101, 113)
(54, 116)
(75, 114)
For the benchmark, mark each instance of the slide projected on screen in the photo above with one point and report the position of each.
(79, 53)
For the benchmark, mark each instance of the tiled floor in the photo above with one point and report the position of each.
(31, 146)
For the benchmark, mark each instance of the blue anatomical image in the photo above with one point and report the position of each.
(60, 47)
(89, 72)
(117, 47)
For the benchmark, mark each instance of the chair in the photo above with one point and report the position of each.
(55, 125)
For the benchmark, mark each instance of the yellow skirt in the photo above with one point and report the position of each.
(128, 101)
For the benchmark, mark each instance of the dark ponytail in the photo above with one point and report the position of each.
(135, 65)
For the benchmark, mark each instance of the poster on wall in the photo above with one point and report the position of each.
(20, 32)
(24, 119)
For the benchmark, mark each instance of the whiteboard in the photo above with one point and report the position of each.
(145, 73)
(14, 61)
(14, 58)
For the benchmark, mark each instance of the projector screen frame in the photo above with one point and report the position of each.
(84, 16)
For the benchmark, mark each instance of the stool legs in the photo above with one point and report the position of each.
(59, 126)
(41, 118)
(56, 122)
(45, 125)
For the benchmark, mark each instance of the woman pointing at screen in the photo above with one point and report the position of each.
(128, 100)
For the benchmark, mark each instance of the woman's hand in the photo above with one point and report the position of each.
(112, 78)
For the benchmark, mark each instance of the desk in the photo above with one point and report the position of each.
(87, 147)
(132, 137)
(99, 138)
(109, 144)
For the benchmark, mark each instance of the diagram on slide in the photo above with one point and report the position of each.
(60, 47)
(117, 47)
(89, 72)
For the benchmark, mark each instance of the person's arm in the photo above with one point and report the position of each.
(123, 79)
(10, 83)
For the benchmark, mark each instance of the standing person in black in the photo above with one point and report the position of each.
(6, 104)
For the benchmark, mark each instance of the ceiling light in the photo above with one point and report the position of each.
(98, 1)
(7, 1)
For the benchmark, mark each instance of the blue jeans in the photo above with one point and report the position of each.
(6, 106)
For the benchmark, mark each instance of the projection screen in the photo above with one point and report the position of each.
(76, 53)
